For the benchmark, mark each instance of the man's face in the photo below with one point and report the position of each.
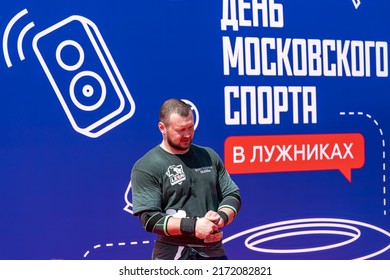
(179, 133)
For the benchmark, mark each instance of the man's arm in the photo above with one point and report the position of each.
(167, 225)
(227, 210)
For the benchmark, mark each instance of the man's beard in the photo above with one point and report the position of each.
(177, 146)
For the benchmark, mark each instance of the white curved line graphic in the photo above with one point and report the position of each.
(129, 206)
(374, 254)
(303, 250)
(6, 35)
(21, 37)
(300, 223)
(354, 236)
(195, 111)
(356, 3)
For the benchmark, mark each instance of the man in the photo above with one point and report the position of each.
(182, 191)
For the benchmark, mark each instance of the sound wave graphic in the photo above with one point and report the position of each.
(20, 37)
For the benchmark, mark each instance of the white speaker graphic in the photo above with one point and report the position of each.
(82, 72)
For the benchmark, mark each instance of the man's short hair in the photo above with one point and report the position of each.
(173, 106)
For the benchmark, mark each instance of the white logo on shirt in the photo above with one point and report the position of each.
(176, 174)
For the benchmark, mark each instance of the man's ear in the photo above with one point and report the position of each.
(161, 127)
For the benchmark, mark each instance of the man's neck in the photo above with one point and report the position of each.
(166, 147)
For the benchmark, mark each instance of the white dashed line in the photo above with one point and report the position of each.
(383, 153)
(110, 245)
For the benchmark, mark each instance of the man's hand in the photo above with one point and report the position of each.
(204, 227)
(214, 217)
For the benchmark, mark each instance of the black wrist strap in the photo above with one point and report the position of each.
(224, 216)
(187, 226)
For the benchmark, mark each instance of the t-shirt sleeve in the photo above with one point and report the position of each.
(146, 191)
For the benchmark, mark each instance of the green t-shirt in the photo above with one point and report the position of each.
(187, 185)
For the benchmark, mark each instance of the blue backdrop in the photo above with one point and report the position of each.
(293, 95)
